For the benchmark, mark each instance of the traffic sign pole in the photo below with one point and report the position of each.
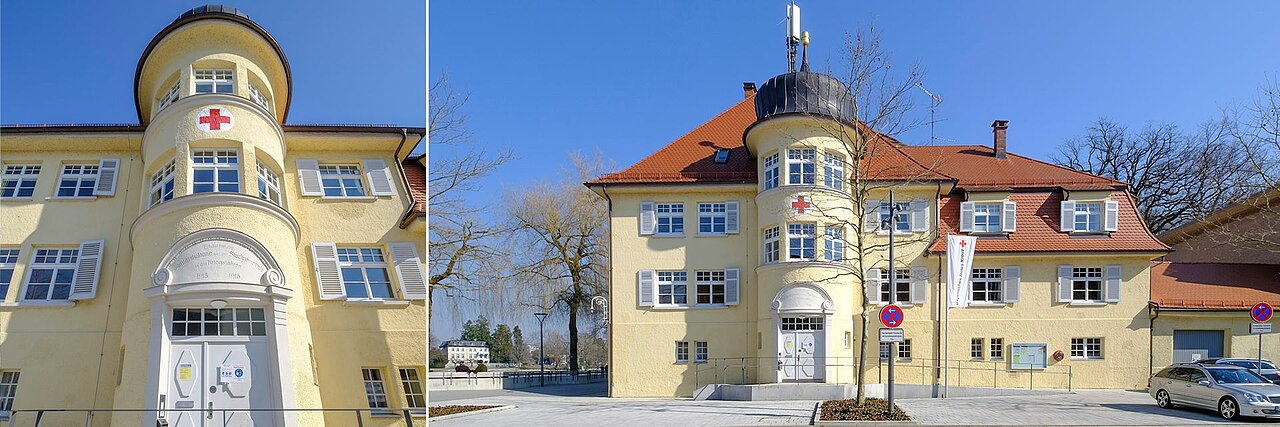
(893, 292)
(1261, 313)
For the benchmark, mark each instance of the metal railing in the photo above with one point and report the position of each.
(40, 416)
(521, 378)
(961, 372)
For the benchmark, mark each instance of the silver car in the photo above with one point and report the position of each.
(1231, 390)
(1268, 370)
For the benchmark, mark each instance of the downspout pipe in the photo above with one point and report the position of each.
(604, 189)
(408, 211)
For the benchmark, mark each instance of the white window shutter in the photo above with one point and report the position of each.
(871, 285)
(379, 176)
(1012, 279)
(919, 216)
(966, 217)
(1113, 215)
(871, 219)
(731, 286)
(919, 285)
(309, 177)
(648, 218)
(1112, 291)
(731, 217)
(1010, 221)
(108, 170)
(644, 287)
(1064, 283)
(1068, 216)
(324, 255)
(413, 281)
(84, 285)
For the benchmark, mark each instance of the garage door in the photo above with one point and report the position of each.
(1190, 346)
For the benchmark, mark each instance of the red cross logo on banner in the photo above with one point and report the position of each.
(215, 119)
(963, 244)
(800, 205)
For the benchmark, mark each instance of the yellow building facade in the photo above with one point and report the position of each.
(747, 251)
(212, 259)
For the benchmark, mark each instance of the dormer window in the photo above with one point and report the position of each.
(722, 155)
(215, 81)
(1088, 217)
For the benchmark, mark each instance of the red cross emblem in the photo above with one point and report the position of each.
(800, 205)
(212, 119)
(963, 244)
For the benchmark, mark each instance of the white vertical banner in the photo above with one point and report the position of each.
(959, 264)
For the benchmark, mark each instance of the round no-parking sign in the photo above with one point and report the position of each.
(891, 316)
(1261, 312)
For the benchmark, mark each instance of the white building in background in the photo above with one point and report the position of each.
(466, 351)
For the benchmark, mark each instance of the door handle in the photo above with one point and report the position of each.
(210, 411)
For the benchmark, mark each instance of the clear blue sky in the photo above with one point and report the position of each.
(73, 61)
(629, 77)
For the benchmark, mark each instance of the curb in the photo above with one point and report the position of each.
(470, 413)
(814, 421)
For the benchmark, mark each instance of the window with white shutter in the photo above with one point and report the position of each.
(1012, 283)
(309, 177)
(644, 288)
(966, 217)
(1068, 216)
(408, 267)
(108, 169)
(1114, 276)
(731, 287)
(324, 256)
(1112, 216)
(88, 269)
(648, 218)
(1010, 217)
(871, 217)
(731, 217)
(871, 286)
(919, 216)
(379, 176)
(919, 285)
(1064, 281)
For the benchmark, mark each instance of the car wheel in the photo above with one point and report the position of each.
(1162, 399)
(1228, 408)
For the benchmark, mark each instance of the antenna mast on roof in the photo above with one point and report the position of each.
(934, 100)
(793, 35)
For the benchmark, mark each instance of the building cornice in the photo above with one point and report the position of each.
(186, 103)
(216, 199)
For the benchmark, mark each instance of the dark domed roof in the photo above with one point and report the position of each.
(804, 92)
(212, 8)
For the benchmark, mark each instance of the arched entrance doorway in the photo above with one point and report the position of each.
(801, 317)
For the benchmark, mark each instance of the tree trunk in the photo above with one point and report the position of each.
(573, 336)
(862, 360)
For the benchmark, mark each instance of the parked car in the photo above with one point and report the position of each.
(1231, 390)
(1269, 370)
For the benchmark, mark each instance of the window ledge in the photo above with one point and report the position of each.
(692, 307)
(383, 413)
(900, 233)
(700, 234)
(667, 236)
(1088, 303)
(987, 304)
(39, 304)
(1086, 358)
(348, 198)
(17, 199)
(681, 363)
(56, 198)
(375, 303)
(1089, 234)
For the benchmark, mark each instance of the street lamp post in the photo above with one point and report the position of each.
(542, 370)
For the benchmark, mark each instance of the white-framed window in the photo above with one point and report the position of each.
(51, 274)
(772, 246)
(901, 285)
(19, 181)
(800, 166)
(258, 97)
(800, 241)
(364, 273)
(710, 287)
(375, 390)
(168, 98)
(682, 352)
(987, 285)
(986, 217)
(1088, 217)
(162, 184)
(886, 349)
(712, 218)
(975, 348)
(833, 170)
(904, 349)
(341, 181)
(8, 260)
(268, 184)
(833, 243)
(673, 288)
(415, 398)
(670, 218)
(902, 221)
(215, 171)
(1086, 348)
(8, 391)
(215, 81)
(808, 323)
(1086, 284)
(997, 348)
(771, 171)
(219, 322)
(77, 180)
(700, 352)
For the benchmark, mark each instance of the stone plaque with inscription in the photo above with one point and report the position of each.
(216, 261)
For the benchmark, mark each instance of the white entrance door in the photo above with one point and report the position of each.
(218, 363)
(802, 349)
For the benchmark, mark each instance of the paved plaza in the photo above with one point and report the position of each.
(587, 405)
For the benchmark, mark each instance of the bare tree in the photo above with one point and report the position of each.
(1255, 128)
(459, 246)
(561, 228)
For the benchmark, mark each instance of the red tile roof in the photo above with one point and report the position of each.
(689, 157)
(416, 174)
(976, 168)
(1214, 286)
(1038, 223)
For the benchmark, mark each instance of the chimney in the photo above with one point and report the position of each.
(748, 89)
(998, 128)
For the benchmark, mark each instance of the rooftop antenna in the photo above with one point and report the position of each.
(793, 35)
(804, 53)
(933, 106)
